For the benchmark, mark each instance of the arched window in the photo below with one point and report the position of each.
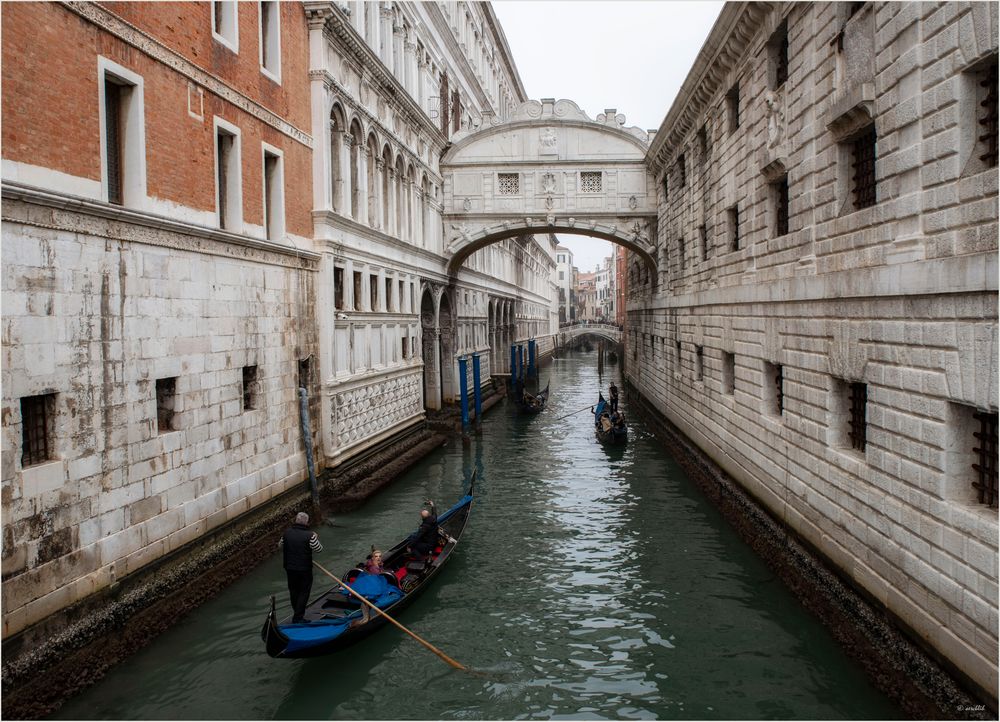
(371, 152)
(386, 188)
(337, 130)
(400, 198)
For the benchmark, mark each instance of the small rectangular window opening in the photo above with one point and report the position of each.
(681, 171)
(114, 138)
(734, 228)
(858, 425)
(270, 38)
(986, 450)
(249, 388)
(338, 288)
(590, 182)
(703, 143)
(779, 55)
(733, 107)
(728, 373)
(699, 363)
(37, 417)
(165, 403)
(405, 347)
(680, 253)
(373, 292)
(863, 153)
(779, 190)
(272, 197)
(987, 114)
(703, 236)
(357, 291)
(224, 150)
(508, 184)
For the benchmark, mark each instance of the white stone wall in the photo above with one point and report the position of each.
(95, 311)
(901, 296)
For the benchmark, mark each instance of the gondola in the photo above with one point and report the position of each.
(608, 432)
(334, 620)
(530, 404)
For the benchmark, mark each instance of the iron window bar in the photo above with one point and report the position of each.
(34, 431)
(987, 470)
(988, 137)
(863, 152)
(858, 425)
(779, 381)
(781, 70)
(781, 207)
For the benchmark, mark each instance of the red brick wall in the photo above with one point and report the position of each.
(50, 99)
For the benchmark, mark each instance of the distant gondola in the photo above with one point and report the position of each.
(334, 620)
(609, 431)
(530, 403)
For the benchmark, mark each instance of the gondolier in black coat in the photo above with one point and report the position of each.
(424, 540)
(297, 545)
(613, 396)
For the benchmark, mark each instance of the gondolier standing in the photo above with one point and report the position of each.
(298, 545)
(613, 396)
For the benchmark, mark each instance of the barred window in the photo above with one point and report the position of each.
(37, 416)
(987, 113)
(165, 402)
(113, 139)
(703, 143)
(699, 363)
(778, 49)
(305, 372)
(858, 431)
(779, 192)
(680, 253)
(338, 288)
(734, 228)
(703, 235)
(681, 171)
(728, 373)
(249, 388)
(733, 107)
(863, 165)
(508, 184)
(590, 182)
(986, 451)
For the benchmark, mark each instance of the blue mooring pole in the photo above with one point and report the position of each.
(476, 389)
(520, 361)
(463, 365)
(532, 371)
(513, 364)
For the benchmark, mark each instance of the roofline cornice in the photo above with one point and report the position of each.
(338, 27)
(723, 49)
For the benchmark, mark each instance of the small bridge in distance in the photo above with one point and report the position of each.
(606, 331)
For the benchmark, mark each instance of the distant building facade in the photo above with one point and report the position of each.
(208, 207)
(566, 288)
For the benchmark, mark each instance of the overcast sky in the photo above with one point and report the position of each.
(631, 56)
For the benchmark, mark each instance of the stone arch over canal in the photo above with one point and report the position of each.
(549, 168)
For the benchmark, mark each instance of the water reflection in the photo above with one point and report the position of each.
(591, 583)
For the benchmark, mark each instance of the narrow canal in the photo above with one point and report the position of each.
(590, 584)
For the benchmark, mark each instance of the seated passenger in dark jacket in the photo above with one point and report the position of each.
(424, 539)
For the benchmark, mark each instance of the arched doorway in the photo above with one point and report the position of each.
(446, 349)
(430, 351)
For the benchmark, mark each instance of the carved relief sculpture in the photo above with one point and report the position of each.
(775, 118)
(547, 142)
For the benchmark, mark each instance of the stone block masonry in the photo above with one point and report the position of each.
(134, 473)
(832, 343)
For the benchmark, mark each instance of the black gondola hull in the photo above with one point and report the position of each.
(277, 643)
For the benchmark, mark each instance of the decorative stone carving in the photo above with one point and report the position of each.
(633, 202)
(547, 141)
(548, 183)
(775, 112)
(364, 412)
(467, 205)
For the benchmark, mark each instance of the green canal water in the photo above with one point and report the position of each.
(590, 584)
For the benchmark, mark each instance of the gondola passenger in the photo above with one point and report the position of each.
(373, 565)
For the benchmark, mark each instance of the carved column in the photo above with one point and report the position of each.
(432, 363)
(377, 219)
(391, 228)
(362, 184)
(409, 66)
(386, 34)
(347, 140)
(418, 223)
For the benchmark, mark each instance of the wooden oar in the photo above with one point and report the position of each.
(424, 642)
(588, 406)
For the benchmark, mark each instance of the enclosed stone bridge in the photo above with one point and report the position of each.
(549, 169)
(607, 331)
